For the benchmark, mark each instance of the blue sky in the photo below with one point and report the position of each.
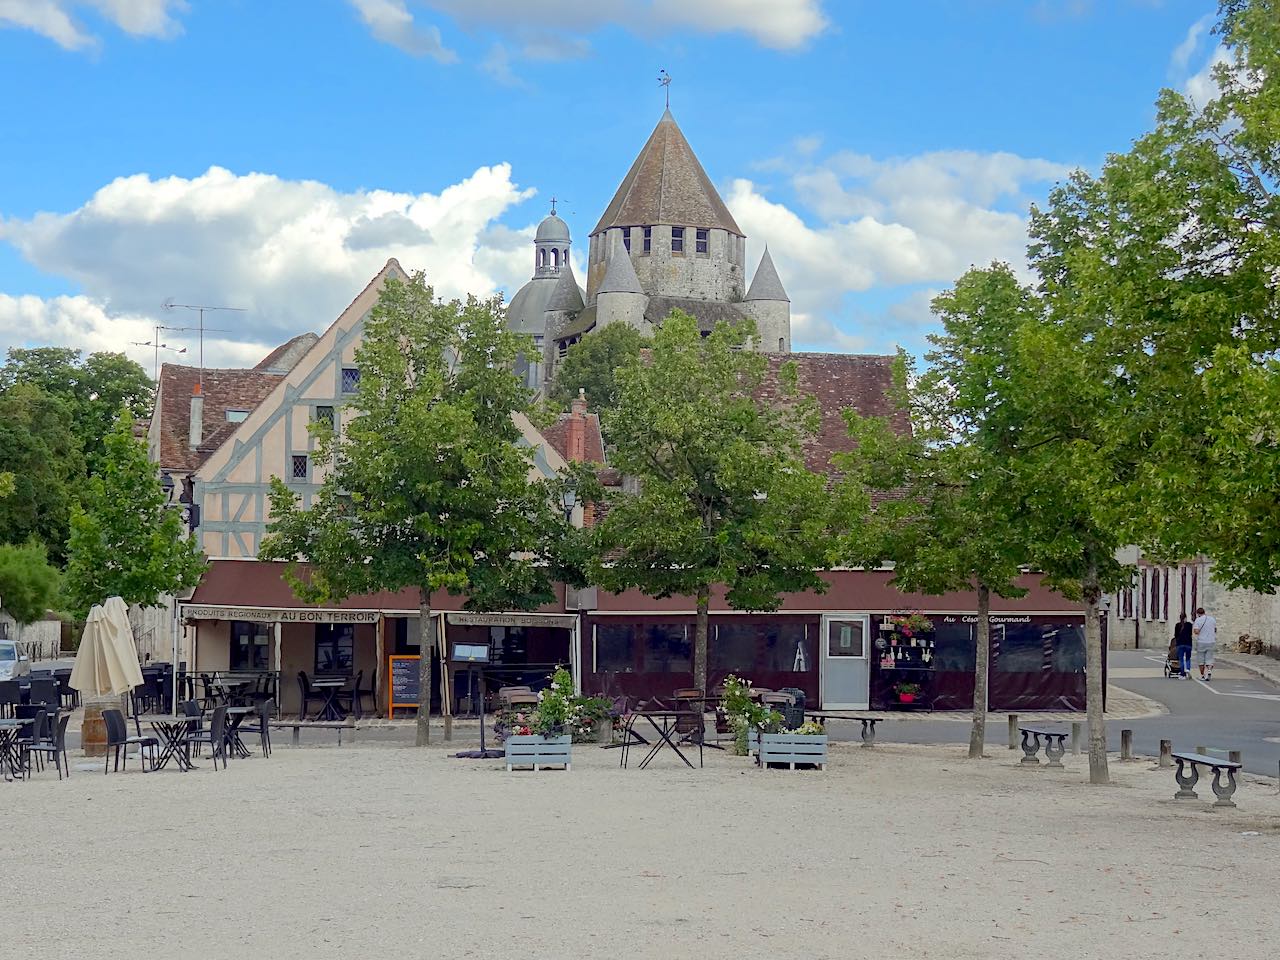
(271, 156)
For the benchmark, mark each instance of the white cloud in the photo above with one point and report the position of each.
(820, 335)
(55, 19)
(391, 22)
(293, 253)
(1202, 86)
(1184, 51)
(778, 24)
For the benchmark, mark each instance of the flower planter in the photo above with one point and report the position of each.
(793, 748)
(906, 698)
(534, 750)
(753, 741)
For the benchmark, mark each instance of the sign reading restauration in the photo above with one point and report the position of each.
(280, 615)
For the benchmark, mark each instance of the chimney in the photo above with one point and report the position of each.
(196, 434)
(578, 428)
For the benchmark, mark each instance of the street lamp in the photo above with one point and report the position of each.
(569, 500)
(166, 484)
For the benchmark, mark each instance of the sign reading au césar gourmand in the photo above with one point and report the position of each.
(402, 680)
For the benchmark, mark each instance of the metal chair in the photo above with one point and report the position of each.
(55, 747)
(308, 695)
(215, 737)
(118, 739)
(265, 709)
(44, 690)
(358, 694)
(38, 732)
(10, 696)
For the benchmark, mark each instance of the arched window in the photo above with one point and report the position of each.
(555, 257)
(782, 344)
(542, 258)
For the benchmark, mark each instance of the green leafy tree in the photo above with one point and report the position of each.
(28, 582)
(428, 484)
(724, 496)
(7, 484)
(1040, 397)
(941, 516)
(1168, 259)
(592, 363)
(40, 451)
(94, 390)
(124, 540)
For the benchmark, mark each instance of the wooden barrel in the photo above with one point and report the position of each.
(93, 731)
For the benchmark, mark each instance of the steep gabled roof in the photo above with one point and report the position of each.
(557, 434)
(667, 185)
(620, 277)
(283, 357)
(567, 295)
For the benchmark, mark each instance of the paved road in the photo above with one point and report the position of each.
(1237, 711)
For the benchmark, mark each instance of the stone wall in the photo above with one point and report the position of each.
(38, 641)
(719, 275)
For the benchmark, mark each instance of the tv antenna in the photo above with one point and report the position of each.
(200, 309)
(664, 81)
(155, 342)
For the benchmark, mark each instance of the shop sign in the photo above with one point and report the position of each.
(510, 619)
(279, 615)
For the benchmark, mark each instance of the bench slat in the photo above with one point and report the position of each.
(1204, 761)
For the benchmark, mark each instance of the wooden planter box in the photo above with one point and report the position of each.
(538, 751)
(753, 741)
(792, 748)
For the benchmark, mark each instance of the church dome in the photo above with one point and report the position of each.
(528, 309)
(553, 229)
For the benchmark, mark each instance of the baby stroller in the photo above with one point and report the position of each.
(1172, 665)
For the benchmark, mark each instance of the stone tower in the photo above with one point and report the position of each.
(527, 312)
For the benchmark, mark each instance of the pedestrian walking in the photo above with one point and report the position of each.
(1205, 631)
(1182, 643)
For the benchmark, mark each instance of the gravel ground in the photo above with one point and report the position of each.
(384, 850)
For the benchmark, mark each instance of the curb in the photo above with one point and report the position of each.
(1271, 676)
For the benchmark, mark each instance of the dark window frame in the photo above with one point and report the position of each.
(305, 461)
(335, 645)
(350, 379)
(702, 242)
(677, 240)
(647, 241)
(245, 651)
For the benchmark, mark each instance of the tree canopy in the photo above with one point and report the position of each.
(592, 363)
(125, 541)
(427, 484)
(28, 583)
(724, 495)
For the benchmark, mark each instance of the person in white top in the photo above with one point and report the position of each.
(1205, 632)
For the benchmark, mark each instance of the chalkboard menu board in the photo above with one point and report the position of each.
(403, 679)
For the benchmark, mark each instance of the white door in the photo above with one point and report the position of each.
(846, 670)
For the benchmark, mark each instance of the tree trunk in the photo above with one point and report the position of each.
(978, 732)
(427, 636)
(700, 640)
(1093, 654)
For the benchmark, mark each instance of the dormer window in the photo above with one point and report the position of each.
(702, 243)
(237, 416)
(677, 240)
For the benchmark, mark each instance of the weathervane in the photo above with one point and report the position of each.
(664, 80)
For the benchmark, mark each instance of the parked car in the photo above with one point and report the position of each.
(12, 663)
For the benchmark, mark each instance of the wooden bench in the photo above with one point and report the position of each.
(299, 725)
(1054, 745)
(868, 723)
(1186, 784)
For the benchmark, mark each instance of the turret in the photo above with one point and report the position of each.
(620, 298)
(768, 304)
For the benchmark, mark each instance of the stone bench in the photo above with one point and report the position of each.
(1054, 745)
(1186, 784)
(299, 725)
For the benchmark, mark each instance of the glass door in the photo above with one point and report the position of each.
(846, 671)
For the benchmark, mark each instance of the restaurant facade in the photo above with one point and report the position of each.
(834, 646)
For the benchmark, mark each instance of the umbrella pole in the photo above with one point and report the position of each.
(173, 697)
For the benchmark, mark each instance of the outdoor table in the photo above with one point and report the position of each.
(235, 717)
(664, 722)
(9, 756)
(172, 732)
(331, 686)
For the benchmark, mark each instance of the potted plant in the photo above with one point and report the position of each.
(907, 692)
(548, 739)
(909, 624)
(747, 718)
(806, 744)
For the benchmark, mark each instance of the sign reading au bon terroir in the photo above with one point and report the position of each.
(280, 615)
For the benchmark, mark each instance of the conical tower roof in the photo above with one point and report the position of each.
(621, 275)
(667, 185)
(566, 295)
(766, 285)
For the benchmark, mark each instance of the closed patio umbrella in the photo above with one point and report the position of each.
(106, 666)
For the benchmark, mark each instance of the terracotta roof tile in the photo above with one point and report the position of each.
(223, 390)
(558, 436)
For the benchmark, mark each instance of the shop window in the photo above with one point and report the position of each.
(644, 647)
(335, 647)
(702, 243)
(775, 646)
(1040, 648)
(614, 650)
(250, 645)
(954, 645)
(677, 240)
